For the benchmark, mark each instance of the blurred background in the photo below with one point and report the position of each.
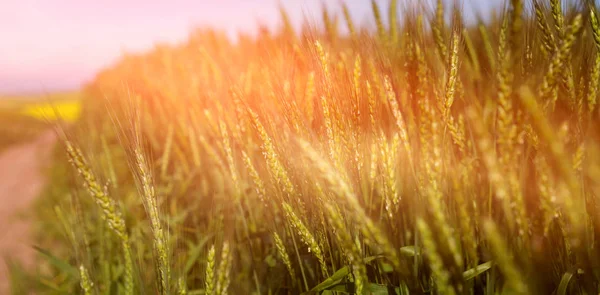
(56, 45)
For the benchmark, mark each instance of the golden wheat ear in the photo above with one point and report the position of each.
(110, 212)
(592, 96)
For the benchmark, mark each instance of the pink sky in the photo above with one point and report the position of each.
(49, 45)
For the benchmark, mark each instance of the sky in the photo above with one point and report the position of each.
(58, 45)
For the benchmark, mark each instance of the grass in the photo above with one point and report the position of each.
(24, 117)
(422, 157)
(16, 128)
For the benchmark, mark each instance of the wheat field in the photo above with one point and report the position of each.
(425, 155)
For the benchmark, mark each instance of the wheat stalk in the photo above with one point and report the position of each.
(151, 206)
(110, 214)
(85, 282)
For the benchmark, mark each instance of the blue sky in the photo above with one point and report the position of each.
(51, 45)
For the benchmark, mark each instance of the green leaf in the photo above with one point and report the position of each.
(332, 280)
(403, 289)
(194, 254)
(469, 274)
(409, 251)
(564, 283)
(270, 261)
(60, 264)
(370, 289)
(338, 276)
(386, 267)
(376, 289)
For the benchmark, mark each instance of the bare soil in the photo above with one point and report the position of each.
(21, 181)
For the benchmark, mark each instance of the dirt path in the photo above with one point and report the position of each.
(20, 182)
